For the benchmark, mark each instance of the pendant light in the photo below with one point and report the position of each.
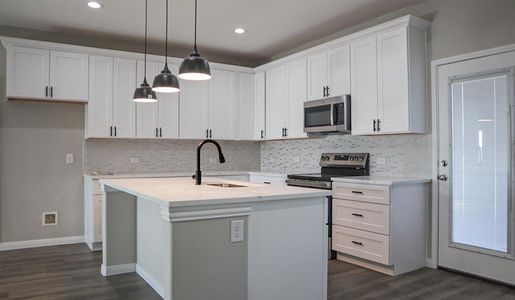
(195, 67)
(144, 92)
(166, 82)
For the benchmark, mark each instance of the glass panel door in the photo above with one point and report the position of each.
(480, 131)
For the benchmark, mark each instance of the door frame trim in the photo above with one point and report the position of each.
(432, 259)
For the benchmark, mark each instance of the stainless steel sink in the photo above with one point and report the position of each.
(226, 185)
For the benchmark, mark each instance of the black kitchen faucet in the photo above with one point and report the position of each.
(221, 159)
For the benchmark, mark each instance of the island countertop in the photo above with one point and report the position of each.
(182, 191)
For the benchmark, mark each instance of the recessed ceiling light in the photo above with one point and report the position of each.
(240, 30)
(95, 4)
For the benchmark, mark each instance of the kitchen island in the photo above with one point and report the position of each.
(220, 240)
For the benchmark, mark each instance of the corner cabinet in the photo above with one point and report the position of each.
(388, 79)
(285, 97)
(54, 75)
(329, 73)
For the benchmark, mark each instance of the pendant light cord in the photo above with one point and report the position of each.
(195, 41)
(166, 38)
(145, 57)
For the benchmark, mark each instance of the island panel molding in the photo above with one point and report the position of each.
(169, 215)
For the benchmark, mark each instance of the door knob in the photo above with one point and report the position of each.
(442, 177)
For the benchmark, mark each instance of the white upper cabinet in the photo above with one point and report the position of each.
(388, 82)
(99, 109)
(259, 106)
(364, 85)
(246, 107)
(296, 76)
(147, 114)
(194, 97)
(329, 73)
(46, 75)
(222, 100)
(276, 102)
(124, 109)
(28, 72)
(68, 76)
(168, 110)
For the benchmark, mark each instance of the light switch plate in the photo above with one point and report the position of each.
(69, 158)
(237, 231)
(381, 160)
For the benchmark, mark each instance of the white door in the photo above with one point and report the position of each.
(99, 109)
(245, 104)
(222, 99)
(68, 76)
(168, 107)
(339, 71)
(193, 103)
(147, 113)
(27, 72)
(276, 102)
(364, 85)
(475, 133)
(124, 109)
(317, 75)
(259, 106)
(392, 68)
(296, 75)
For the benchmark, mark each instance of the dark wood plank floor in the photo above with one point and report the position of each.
(73, 272)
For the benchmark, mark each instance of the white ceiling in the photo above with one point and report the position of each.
(273, 26)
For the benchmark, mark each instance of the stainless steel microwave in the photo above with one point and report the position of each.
(329, 115)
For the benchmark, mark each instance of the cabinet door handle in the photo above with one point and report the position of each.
(160, 132)
(285, 131)
(110, 130)
(51, 91)
(46, 91)
(115, 134)
(262, 134)
(378, 125)
(282, 132)
(357, 243)
(357, 192)
(375, 128)
(357, 215)
(157, 132)
(207, 133)
(210, 133)
(327, 91)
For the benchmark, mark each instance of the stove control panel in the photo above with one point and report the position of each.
(344, 160)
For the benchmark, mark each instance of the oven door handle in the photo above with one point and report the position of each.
(332, 114)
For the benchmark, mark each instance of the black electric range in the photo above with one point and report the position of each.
(332, 165)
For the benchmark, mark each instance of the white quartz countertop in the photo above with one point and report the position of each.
(382, 180)
(182, 191)
(183, 174)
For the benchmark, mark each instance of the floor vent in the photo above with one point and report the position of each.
(49, 218)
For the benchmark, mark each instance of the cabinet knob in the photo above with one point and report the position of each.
(442, 177)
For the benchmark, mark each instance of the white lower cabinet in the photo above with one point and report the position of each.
(92, 213)
(381, 226)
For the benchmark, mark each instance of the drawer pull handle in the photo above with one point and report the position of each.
(357, 192)
(357, 215)
(357, 243)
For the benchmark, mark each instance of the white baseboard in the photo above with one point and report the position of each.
(41, 243)
(117, 269)
(150, 280)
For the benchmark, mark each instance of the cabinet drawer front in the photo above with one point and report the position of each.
(362, 215)
(366, 193)
(366, 245)
(96, 187)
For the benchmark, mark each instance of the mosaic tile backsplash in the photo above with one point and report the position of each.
(160, 156)
(406, 155)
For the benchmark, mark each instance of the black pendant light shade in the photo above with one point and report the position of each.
(144, 92)
(166, 82)
(195, 67)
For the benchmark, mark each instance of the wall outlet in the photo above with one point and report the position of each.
(49, 218)
(69, 158)
(296, 159)
(134, 160)
(381, 160)
(237, 231)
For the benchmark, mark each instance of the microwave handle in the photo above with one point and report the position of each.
(332, 114)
